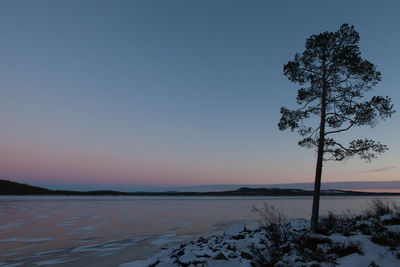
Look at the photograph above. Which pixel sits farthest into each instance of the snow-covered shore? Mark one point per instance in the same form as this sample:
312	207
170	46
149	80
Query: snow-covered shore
372	240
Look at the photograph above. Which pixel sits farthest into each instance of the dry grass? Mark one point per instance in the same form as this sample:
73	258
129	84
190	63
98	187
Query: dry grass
378	207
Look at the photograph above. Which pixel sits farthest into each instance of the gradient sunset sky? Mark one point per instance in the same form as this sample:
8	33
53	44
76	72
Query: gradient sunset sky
132	94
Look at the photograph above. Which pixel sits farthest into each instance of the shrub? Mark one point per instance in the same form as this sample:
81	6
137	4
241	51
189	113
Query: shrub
311	247
270	216
276	226
274	222
338	224
392	221
373	264
262	257
311	242
378	207
342	250
327	224
396	208
387	238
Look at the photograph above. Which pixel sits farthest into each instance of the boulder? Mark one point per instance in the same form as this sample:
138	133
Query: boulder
234	230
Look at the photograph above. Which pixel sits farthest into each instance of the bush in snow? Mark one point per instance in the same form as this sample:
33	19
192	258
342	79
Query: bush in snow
327	224
378	207
313	247
345	225
274	222
276	227
344	249
387	238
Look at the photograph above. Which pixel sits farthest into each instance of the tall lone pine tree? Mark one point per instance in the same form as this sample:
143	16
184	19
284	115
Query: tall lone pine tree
335	82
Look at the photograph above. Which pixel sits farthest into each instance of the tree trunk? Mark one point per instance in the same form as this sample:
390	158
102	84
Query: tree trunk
320	156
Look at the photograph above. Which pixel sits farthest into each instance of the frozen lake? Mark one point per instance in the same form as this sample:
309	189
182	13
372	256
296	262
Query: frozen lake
103	231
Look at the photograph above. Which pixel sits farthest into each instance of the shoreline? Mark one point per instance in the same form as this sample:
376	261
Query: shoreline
372	239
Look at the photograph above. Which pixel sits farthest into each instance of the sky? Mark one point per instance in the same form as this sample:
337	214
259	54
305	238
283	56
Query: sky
142	94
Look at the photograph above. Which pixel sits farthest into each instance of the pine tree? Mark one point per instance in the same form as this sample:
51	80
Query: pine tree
335	82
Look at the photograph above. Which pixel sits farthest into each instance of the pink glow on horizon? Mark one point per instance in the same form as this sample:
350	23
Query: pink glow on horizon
73	164
42	161
45	166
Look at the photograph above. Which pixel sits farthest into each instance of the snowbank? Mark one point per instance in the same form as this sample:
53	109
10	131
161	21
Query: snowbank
355	241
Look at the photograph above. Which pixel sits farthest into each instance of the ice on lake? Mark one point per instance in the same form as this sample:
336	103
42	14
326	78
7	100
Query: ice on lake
55	230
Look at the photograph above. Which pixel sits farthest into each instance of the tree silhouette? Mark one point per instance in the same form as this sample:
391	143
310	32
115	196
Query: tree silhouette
335	82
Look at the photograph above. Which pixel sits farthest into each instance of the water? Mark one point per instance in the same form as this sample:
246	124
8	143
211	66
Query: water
88	230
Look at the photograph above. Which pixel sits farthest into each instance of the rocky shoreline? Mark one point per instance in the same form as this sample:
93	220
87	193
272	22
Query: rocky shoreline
363	240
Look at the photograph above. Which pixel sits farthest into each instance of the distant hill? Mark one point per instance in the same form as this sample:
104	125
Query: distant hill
379	186
13	188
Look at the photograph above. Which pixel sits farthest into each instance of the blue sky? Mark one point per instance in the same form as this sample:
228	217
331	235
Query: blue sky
166	93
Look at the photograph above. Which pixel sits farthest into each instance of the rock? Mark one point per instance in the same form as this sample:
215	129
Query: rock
394	228
190	258
213	249
202	240
217	263
232	255
246	255
387	217
220	256
234	229
239	236
204	255
147	262
180	253
279	264
231	247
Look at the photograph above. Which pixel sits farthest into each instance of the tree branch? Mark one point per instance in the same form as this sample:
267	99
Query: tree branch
341	130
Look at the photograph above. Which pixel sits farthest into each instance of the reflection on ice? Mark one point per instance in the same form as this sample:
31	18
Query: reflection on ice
20	239
51	262
11	265
10	225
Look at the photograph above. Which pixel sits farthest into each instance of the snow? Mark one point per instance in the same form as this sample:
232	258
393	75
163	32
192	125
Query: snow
394	228
299	224
387	217
372	252
237	246
234	229
218	250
